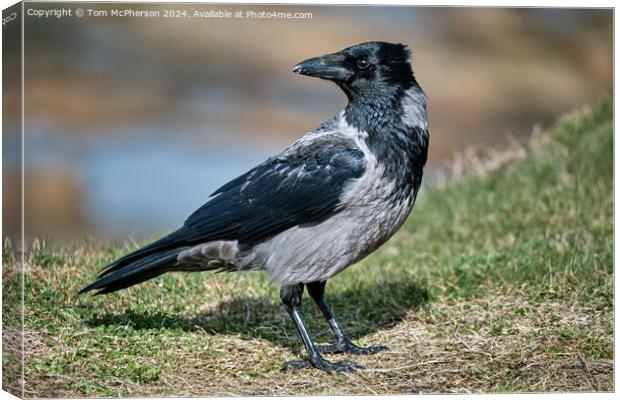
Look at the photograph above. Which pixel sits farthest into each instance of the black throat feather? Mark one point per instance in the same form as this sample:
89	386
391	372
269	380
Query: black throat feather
401	147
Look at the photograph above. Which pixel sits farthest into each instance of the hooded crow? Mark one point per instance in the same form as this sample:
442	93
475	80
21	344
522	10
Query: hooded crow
324	203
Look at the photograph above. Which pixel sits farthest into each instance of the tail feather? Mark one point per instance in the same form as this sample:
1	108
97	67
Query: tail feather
134	271
165	243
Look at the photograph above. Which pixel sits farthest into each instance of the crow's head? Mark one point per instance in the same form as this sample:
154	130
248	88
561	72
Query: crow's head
365	71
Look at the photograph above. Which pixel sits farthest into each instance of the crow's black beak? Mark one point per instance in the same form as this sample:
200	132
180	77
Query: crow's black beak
330	67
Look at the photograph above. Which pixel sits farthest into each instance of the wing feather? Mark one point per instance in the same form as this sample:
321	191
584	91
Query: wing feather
278	194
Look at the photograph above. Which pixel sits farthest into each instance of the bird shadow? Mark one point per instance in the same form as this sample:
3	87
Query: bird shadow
361	310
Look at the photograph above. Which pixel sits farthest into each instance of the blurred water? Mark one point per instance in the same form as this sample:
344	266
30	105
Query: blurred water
139	181
154	189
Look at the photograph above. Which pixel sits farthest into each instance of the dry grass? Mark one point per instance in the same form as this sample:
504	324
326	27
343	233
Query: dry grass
480	161
501	281
437	355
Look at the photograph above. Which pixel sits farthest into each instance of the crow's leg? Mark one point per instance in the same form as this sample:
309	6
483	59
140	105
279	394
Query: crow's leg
291	297
343	343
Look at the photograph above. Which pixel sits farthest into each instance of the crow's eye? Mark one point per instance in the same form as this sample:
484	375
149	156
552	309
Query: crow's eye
363	63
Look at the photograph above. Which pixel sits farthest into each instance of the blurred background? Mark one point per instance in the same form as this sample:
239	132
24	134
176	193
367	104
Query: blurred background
131	123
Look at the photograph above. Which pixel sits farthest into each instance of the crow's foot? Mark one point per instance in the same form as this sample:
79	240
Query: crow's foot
348	347
346	366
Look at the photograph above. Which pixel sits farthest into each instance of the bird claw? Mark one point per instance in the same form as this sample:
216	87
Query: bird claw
344	366
349	347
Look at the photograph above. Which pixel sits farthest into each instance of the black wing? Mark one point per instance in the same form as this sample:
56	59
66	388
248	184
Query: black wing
302	187
276	195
